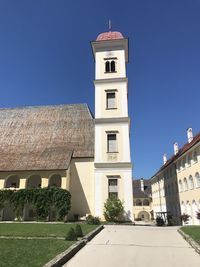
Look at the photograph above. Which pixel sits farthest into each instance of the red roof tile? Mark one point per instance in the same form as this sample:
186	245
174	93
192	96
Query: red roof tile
109	36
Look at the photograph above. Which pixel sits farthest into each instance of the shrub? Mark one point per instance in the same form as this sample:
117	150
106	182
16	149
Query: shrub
92	220
71	235
160	221
78	230
171	221
198	215
185	218
113	208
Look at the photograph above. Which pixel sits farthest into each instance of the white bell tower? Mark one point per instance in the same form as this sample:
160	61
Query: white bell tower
113	168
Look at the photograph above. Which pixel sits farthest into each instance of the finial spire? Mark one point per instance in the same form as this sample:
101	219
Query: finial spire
109	25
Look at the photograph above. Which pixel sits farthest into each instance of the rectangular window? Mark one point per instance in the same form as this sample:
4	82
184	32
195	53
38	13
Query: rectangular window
110	100
113	188
111	143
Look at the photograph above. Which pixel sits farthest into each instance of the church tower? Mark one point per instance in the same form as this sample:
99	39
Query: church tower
113	168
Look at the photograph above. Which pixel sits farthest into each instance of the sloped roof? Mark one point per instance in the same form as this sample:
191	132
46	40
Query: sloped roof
104	36
181	151
45	137
138	193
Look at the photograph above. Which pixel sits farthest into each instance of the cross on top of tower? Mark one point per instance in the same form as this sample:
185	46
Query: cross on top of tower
109	25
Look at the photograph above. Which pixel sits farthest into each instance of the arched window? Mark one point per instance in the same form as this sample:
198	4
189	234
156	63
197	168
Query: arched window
12	182
185	184
146	202
197	177
180	186
112	66
34	181
191	182
55	180
107	66
138	202
183	163
195	156
189	160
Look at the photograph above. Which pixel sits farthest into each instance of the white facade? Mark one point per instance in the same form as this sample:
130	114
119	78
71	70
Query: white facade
112	124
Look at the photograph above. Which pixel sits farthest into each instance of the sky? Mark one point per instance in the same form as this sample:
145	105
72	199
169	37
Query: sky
46	58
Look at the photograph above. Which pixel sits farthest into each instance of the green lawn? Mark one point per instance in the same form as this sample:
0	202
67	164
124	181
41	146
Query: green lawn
193	231
30	253
39	229
37	252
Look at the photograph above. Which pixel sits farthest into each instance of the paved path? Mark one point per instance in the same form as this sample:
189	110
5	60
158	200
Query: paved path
136	246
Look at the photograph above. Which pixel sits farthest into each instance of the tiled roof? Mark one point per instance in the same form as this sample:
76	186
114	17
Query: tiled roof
45	137
109	36
138	193
181	151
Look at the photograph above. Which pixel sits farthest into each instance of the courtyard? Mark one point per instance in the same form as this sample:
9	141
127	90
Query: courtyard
136	246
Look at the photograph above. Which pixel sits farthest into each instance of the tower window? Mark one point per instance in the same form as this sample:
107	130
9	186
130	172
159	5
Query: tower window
112	143
113	187
107	66
110	100
112	66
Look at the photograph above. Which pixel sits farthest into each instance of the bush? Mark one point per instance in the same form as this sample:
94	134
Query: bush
185	218
92	220
78	231
113	209
198	215
171	221
160	221
71	235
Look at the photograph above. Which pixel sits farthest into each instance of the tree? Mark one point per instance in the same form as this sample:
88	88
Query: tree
113	209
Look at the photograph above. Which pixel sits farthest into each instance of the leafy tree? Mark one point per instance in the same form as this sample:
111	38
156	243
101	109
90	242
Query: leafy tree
113	209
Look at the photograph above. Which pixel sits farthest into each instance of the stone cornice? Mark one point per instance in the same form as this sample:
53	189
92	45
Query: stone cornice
113	165
110	80
112	120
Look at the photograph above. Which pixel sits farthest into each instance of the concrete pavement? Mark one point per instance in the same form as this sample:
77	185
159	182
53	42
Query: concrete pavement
136	246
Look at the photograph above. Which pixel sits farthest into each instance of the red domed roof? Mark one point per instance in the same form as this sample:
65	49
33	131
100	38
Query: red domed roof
109	36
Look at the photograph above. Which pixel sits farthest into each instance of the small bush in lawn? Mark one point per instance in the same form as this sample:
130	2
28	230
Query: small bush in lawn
198	215
92	220
71	235
78	231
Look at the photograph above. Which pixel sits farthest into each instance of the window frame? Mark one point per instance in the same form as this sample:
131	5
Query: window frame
112	133
111	91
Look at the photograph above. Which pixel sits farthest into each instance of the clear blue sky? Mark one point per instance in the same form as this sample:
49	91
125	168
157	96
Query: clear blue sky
46	58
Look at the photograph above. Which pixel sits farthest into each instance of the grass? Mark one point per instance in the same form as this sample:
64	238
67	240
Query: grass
193	231
31	253
40	229
34	252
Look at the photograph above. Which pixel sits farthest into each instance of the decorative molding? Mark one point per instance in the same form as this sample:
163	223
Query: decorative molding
112	120
113	165
110	80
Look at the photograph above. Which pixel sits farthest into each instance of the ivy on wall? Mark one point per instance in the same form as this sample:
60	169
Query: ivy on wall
47	202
